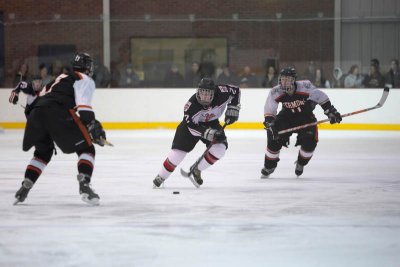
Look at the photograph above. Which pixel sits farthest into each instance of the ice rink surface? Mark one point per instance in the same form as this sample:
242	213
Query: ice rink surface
343	211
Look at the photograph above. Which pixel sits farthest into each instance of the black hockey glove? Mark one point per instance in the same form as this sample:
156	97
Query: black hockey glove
269	125
96	132
333	115
232	114
214	135
14	97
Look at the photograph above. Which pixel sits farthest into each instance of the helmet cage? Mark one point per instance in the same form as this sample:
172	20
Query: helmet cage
287	79
287	83
205	96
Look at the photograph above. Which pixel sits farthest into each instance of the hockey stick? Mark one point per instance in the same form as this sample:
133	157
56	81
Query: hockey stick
194	166
106	142
380	104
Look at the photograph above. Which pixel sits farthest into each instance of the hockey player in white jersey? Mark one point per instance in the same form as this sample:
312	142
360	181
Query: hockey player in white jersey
200	122
298	99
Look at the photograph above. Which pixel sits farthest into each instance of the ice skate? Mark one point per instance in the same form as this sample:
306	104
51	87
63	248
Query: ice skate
86	192
195	176
158	182
265	173
22	193
299	169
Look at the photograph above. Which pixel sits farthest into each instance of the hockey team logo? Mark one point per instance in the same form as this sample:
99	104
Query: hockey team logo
208	116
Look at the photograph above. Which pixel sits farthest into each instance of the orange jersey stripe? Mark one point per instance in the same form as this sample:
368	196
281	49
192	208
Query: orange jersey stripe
81	127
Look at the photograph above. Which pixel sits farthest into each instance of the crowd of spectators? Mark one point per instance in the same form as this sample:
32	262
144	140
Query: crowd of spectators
125	75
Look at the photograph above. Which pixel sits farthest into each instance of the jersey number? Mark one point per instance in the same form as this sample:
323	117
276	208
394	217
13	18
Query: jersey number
294	110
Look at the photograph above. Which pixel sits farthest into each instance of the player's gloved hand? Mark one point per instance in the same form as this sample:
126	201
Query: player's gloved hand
309	106
285	140
14	97
214	135
269	125
96	132
333	115
232	114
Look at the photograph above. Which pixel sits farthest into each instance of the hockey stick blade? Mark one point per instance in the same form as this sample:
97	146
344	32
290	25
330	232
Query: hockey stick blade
189	176
106	142
380	104
185	174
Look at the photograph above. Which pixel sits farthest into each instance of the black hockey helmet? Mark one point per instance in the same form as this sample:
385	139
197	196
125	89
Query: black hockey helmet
205	91
82	62
287	79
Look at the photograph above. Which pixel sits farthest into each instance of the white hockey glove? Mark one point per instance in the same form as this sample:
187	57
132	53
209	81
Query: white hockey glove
214	135
232	114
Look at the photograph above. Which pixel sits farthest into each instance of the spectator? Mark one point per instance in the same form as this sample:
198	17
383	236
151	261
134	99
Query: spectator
128	77
22	74
374	79
393	75
44	74
319	80
309	74
271	78
66	69
227	76
173	78
248	79
354	78
192	77
101	75
56	68
337	78
115	74
207	64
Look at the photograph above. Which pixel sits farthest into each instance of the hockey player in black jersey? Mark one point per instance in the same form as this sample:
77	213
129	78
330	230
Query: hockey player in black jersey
298	99
52	118
200	122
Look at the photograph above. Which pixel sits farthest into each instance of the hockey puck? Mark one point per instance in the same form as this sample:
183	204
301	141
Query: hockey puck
175	192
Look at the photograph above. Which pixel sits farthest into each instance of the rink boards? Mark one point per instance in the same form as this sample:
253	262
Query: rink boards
150	108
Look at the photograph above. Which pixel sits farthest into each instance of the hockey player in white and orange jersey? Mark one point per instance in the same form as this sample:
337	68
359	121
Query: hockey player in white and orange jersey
298	99
52	119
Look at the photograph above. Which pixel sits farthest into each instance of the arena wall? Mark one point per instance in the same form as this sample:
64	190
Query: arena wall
163	108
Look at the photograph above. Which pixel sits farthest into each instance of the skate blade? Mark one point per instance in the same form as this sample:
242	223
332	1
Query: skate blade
92	202
162	186
16	202
185	174
264	176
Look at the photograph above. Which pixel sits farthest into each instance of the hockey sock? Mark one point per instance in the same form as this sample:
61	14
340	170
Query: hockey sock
271	158
174	158
35	169
38	164
86	161
215	153
304	156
